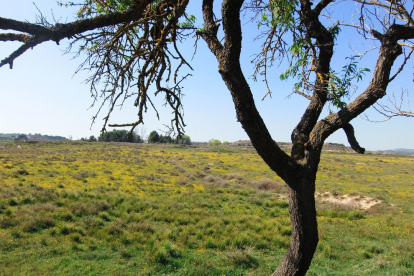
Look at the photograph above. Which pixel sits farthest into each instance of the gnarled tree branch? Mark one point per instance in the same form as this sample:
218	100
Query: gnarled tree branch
389	51
39	34
229	67
350	134
324	39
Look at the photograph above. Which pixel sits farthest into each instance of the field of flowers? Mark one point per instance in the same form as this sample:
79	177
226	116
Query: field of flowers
78	208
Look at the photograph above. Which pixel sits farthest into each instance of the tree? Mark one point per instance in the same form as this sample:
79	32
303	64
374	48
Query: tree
135	44
166	139
119	136
153	137
21	137
92	138
185	139
214	142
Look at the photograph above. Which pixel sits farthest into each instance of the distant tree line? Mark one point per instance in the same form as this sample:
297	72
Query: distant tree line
117	136
216	143
30	137
123	136
154	137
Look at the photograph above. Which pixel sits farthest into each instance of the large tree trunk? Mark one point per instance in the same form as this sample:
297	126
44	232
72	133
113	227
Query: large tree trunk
304	237
299	176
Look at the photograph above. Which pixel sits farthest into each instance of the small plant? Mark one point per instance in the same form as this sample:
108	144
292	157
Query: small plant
286	232
211	181
243	258
182	181
126	254
66	230
210	244
267	185
27	200
76	238
356	214
37	223
20	172
167	253
12	202
179	169
16	234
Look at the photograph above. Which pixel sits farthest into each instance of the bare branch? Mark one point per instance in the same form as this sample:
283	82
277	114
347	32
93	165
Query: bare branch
57	32
9	60
24	27
395	108
395	8
350	134
406	58
303	94
322	5
209	33
14	37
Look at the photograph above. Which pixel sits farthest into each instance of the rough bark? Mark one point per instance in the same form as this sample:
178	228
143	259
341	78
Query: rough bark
304	237
325	43
350	134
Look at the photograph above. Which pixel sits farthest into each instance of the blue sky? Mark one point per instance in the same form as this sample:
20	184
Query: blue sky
42	95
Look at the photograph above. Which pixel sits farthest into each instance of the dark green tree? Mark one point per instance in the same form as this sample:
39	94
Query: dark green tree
166	139
133	45
153	137
21	137
119	136
185	139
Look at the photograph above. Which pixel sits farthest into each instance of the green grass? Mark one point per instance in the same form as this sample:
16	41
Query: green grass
120	209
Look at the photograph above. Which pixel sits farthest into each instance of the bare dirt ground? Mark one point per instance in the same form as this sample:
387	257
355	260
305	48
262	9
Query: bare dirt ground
352	201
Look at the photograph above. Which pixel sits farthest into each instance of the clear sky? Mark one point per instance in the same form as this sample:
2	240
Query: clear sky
42	95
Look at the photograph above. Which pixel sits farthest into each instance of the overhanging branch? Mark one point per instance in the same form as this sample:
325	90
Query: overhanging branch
350	134
14	37
38	34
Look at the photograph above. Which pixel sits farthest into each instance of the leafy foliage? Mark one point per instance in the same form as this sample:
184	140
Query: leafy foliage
214	142
340	87
188	23
280	13
185	139
153	137
94	7
118	136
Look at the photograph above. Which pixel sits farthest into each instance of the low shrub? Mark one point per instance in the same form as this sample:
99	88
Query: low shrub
243	258
268	185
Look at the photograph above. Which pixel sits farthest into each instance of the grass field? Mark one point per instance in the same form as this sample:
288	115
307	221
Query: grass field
133	209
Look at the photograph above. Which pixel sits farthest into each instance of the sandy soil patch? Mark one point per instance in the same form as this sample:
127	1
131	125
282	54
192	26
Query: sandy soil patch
357	202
